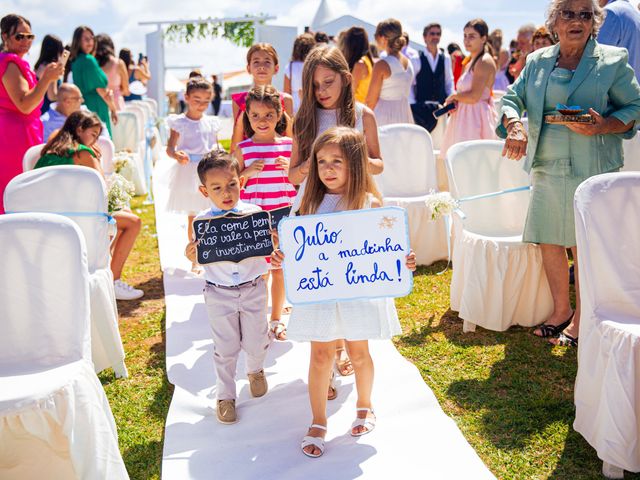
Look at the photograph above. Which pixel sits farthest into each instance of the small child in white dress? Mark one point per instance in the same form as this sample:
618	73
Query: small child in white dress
192	135
338	180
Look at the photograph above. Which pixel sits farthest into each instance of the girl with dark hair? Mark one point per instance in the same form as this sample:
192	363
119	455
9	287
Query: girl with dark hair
135	73
50	52
293	71
264	163
21	95
89	77
114	68
354	44
392	77
474	117
75	144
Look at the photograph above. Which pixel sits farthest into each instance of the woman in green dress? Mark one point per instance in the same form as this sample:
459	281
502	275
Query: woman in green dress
90	78
576	71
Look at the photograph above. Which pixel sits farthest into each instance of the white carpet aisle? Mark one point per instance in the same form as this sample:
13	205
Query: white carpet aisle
413	437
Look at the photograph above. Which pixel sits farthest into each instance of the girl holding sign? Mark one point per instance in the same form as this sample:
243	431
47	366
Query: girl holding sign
264	162
339	180
328	100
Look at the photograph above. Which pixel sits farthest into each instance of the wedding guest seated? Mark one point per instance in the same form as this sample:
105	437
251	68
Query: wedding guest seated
75	144
69	101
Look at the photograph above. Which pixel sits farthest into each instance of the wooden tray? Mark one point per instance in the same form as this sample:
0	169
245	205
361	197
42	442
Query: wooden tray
565	119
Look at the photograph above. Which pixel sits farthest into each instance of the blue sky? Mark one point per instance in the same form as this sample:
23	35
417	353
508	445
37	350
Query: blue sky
120	18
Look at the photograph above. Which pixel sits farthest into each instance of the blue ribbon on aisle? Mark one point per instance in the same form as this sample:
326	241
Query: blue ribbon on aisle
461	214
494	194
110	219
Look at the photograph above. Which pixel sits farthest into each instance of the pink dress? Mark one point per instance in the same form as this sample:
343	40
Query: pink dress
18	131
470	121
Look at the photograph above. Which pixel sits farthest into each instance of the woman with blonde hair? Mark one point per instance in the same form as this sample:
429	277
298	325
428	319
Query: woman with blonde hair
392	77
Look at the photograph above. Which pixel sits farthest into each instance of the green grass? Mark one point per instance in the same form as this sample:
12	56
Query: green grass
510	393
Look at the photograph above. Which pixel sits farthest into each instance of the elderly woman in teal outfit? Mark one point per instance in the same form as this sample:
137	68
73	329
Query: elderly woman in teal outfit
575	71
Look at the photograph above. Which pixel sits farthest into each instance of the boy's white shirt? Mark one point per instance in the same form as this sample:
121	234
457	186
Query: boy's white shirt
231	273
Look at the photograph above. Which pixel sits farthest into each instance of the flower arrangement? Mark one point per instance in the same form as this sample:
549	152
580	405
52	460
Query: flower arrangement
120	192
122	160
440	203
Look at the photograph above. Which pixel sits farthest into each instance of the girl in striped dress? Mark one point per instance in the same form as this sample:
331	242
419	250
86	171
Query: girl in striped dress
264	164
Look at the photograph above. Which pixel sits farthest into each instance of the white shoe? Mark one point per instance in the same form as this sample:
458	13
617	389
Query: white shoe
124	291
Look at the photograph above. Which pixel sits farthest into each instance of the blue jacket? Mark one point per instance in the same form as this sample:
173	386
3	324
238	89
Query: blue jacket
603	81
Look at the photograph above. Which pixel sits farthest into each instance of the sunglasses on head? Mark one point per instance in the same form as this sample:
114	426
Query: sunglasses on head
570	15
24	36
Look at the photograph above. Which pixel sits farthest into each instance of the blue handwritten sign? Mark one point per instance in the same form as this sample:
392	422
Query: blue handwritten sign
345	256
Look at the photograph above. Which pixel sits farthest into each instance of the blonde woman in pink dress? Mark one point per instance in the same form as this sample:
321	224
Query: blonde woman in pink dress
475	116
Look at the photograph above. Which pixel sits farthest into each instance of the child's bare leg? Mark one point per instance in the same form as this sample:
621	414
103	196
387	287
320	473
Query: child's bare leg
320	366
128	228
277	297
343	363
363	367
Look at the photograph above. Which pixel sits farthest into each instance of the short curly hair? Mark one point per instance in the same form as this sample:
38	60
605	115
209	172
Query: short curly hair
556	6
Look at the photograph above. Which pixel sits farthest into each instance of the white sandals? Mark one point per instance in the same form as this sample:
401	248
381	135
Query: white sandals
367	422
317	442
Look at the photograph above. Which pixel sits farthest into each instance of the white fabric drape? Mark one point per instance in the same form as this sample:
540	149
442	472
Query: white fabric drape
497	280
607	391
128	135
55	420
70	189
409	176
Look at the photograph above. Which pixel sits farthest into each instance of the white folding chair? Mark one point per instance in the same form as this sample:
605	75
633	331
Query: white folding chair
125	137
31	157
607	389
631	150
108	150
79	193
55	420
153	104
408	177
497	280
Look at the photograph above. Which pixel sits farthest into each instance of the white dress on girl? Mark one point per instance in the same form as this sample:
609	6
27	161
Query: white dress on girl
327	119
372	319
197	137
393	103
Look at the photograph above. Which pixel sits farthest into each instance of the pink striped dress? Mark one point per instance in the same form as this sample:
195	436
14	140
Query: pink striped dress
270	189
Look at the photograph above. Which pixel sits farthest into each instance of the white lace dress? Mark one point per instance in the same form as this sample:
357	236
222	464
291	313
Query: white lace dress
393	104
372	319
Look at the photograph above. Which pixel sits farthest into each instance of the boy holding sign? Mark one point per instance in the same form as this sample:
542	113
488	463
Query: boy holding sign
235	293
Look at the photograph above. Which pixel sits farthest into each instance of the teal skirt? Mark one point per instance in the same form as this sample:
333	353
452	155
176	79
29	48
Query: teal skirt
550	217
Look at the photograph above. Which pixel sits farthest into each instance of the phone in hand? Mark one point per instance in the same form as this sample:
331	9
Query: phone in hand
446	109
64	56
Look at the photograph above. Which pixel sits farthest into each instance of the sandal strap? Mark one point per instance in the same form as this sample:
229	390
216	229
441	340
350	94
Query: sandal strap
317	442
316	425
566	340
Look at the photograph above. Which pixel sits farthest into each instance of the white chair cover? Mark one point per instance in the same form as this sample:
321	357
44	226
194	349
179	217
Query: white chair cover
55	420
153	104
125	135
498	280
631	154
437	136
607	390
141	115
31	157
108	150
408	177
72	189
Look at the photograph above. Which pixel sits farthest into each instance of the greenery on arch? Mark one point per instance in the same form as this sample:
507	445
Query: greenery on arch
240	33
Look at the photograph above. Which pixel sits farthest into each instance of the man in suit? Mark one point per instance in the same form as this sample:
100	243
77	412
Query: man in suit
434	78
